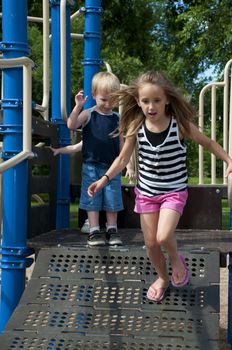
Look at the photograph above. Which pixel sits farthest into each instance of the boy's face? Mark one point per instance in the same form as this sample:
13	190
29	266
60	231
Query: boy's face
102	102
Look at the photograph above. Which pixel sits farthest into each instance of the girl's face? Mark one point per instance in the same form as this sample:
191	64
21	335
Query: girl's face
152	100
102	102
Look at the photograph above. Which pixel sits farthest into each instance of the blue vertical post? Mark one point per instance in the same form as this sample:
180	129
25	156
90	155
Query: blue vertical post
229	333
229	315
92	40
15	180
63	184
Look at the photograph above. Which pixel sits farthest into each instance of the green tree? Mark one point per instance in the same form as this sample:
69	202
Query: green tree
206	29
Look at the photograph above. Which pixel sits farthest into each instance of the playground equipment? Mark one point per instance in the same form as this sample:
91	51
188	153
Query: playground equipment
17	94
58	304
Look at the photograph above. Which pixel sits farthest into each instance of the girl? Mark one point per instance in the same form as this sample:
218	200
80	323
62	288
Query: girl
158	118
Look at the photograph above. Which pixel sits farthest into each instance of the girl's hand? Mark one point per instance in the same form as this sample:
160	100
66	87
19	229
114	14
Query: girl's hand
79	99
229	169
96	186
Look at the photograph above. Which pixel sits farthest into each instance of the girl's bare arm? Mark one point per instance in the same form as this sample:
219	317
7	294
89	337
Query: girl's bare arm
117	166
121	142
130	170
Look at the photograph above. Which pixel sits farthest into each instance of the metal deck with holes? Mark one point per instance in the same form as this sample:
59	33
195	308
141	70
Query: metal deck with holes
95	299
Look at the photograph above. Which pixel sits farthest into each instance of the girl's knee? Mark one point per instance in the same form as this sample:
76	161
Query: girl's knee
152	244
162	239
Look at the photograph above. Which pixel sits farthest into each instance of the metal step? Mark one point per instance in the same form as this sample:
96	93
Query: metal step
88	299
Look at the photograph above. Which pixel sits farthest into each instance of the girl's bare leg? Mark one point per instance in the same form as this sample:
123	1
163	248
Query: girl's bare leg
149	224
168	220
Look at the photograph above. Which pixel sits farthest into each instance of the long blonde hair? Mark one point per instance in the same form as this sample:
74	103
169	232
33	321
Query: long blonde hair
132	116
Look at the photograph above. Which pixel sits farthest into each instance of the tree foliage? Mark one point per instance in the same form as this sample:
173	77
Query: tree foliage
182	38
207	31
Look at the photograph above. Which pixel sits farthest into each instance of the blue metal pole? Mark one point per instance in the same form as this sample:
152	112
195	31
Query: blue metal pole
15	180
63	184
92	39
229	316
229	332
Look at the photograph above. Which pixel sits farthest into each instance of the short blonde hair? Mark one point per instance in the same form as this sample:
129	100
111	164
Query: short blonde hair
105	81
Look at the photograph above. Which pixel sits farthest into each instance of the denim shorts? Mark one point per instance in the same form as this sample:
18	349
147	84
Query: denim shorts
108	199
173	200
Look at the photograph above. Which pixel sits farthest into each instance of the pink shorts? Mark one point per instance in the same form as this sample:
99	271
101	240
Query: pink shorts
173	200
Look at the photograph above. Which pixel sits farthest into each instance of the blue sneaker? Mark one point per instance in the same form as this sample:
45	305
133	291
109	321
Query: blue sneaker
113	237
95	239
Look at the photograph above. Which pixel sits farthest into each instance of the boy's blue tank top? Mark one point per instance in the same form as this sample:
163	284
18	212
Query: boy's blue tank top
98	145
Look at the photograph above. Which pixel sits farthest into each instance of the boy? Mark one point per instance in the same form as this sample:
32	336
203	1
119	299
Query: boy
99	150
77	147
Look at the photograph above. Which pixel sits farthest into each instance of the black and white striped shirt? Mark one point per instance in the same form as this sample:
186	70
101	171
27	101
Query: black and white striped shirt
162	169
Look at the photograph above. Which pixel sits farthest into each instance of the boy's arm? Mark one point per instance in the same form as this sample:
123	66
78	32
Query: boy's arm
77	118
70	149
75	148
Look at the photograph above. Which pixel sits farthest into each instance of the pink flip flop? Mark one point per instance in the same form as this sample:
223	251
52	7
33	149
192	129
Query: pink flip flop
151	290
186	275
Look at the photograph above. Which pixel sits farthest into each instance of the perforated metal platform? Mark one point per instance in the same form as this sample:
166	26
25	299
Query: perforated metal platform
92	299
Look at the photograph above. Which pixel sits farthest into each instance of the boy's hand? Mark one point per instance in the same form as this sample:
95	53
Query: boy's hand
131	175
54	150
79	99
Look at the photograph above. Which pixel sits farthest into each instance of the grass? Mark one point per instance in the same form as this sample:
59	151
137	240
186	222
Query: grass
207	181
225	215
74	214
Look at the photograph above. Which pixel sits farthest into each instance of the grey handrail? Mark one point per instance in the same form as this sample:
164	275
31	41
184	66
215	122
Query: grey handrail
26	153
